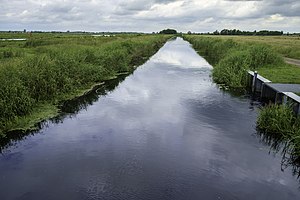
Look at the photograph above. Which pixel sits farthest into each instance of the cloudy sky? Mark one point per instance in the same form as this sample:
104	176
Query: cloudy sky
150	15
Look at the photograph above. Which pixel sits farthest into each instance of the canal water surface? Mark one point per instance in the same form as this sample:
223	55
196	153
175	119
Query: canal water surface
165	132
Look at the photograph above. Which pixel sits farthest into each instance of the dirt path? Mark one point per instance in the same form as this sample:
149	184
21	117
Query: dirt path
292	61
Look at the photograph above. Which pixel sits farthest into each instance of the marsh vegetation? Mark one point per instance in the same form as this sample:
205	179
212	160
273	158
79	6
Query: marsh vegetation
281	122
231	60
39	73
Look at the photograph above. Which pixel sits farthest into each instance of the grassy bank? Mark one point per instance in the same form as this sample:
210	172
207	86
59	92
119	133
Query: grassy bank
37	74
281	122
231	59
287	46
284	73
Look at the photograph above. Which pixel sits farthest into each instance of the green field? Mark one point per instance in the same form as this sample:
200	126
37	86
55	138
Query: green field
285	73
47	68
287	46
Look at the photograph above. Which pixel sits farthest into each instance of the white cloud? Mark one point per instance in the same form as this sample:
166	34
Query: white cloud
149	15
276	17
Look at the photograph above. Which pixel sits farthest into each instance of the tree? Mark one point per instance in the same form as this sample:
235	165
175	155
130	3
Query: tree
168	31
216	32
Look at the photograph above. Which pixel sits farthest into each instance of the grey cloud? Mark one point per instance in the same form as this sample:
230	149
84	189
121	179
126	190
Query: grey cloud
284	7
58	8
266	8
243	0
133	6
142	15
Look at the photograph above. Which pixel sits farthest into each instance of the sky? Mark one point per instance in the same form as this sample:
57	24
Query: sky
150	15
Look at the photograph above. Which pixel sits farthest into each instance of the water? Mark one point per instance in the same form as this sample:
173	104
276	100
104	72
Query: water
166	132
14	39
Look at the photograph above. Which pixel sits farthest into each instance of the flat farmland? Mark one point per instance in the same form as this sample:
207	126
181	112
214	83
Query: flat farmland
287	46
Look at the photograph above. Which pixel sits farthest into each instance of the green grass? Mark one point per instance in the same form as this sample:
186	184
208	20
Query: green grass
288	46
281	122
49	68
39	113
231	59
285	73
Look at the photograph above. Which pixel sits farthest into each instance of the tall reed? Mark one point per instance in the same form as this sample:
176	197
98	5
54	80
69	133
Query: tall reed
48	70
231	59
280	121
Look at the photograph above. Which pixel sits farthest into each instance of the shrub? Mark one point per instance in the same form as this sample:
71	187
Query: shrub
277	119
261	55
15	99
280	121
231	69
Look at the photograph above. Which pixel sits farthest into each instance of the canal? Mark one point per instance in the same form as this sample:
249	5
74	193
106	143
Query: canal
165	132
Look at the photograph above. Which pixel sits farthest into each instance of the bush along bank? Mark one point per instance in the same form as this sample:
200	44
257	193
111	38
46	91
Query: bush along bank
230	61
281	122
32	85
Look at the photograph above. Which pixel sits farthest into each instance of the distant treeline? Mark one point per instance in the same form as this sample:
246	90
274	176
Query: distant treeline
239	32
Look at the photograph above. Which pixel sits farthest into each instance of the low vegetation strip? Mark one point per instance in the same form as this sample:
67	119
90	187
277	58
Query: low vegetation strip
231	59
287	46
41	72
281	122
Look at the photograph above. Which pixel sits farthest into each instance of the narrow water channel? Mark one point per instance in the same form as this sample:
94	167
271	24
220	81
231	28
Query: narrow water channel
165	132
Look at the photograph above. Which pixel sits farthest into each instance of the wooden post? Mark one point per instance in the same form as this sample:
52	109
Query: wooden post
254	82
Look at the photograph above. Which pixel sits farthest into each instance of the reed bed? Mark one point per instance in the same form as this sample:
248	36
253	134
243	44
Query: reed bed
280	121
231	59
46	70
